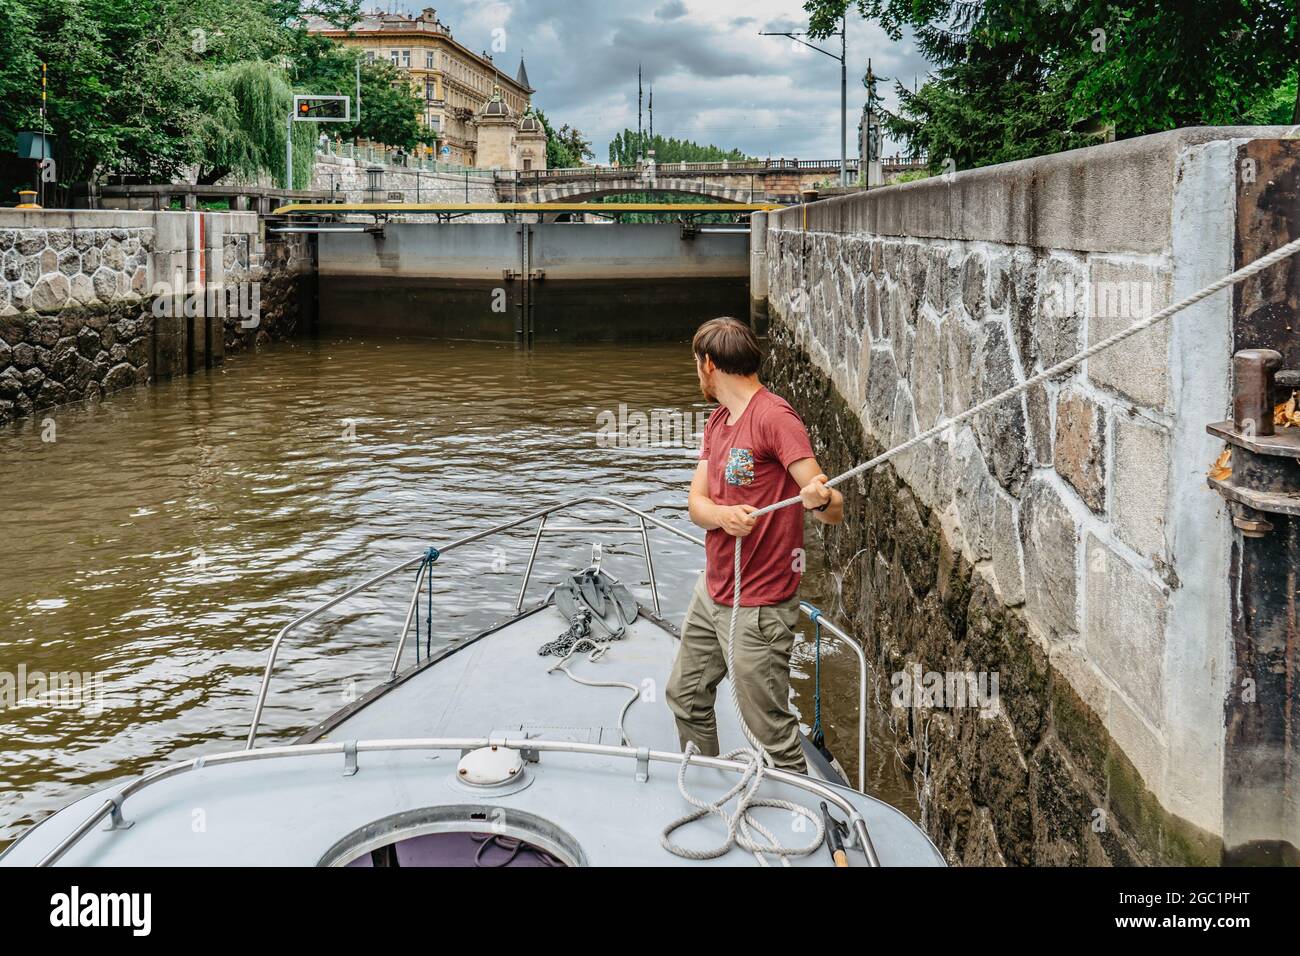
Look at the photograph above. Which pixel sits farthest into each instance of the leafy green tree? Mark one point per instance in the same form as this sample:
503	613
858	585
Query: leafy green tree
565	147
1170	65
147	89
623	149
340	13
1017	78
390	109
1279	108
992	104
82	117
243	128
20	70
129	81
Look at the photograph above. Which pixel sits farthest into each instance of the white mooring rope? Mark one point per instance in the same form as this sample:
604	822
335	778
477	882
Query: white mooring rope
598	649
756	755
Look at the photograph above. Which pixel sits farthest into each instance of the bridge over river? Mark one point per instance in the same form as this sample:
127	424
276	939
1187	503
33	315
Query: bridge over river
770	181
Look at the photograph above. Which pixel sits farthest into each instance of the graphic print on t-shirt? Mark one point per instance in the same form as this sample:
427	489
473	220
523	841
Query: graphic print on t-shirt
740	467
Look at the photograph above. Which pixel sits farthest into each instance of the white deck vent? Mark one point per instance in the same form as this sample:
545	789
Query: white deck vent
490	767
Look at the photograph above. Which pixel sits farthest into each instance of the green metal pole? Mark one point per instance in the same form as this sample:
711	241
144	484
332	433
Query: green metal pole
288	152
45	138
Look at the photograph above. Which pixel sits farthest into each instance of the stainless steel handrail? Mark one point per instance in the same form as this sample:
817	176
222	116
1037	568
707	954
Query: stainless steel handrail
543	526
541	516
407	565
816	616
112	806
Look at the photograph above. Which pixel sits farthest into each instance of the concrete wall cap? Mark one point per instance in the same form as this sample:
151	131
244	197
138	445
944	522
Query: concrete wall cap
1112	197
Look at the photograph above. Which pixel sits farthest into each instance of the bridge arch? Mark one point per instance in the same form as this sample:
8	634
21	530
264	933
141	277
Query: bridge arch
580	191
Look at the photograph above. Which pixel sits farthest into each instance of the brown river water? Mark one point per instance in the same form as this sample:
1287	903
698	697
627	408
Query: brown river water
161	538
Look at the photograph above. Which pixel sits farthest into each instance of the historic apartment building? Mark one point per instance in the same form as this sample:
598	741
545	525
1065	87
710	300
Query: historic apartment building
481	115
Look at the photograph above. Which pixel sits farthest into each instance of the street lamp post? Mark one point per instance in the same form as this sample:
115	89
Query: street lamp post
844	101
844	85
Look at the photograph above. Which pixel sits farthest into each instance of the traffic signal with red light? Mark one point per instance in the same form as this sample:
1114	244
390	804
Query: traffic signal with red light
322	109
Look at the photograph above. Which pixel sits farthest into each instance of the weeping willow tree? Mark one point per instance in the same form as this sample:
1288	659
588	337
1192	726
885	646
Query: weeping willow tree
242	132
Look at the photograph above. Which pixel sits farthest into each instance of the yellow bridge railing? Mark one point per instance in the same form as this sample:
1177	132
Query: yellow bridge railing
457	208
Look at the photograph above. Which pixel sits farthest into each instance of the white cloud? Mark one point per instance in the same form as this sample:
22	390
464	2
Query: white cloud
715	79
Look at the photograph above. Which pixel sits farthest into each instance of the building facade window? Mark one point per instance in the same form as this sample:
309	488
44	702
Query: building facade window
454	89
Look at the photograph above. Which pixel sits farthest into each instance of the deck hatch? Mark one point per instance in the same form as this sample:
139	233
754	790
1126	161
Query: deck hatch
465	818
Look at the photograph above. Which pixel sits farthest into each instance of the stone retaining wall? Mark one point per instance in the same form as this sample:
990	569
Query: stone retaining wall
70	324
286	279
96	301
1040	783
1067	538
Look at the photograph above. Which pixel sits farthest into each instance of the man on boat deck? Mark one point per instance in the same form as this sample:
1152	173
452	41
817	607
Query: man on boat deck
755	452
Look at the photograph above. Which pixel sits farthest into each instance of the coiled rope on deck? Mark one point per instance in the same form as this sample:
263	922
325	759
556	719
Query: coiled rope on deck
740	823
757	755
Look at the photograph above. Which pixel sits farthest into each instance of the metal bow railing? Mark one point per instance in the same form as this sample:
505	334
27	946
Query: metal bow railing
641	528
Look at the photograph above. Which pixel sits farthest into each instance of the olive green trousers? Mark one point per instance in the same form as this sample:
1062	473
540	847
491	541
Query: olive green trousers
764	640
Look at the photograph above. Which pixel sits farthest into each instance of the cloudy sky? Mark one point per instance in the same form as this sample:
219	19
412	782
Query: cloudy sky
715	79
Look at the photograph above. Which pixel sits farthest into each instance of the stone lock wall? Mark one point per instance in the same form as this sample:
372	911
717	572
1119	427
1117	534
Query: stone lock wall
73	324
79	309
1066	541
349	180
284	266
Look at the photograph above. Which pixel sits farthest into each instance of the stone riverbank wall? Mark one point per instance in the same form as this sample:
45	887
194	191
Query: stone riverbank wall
97	301
1066	541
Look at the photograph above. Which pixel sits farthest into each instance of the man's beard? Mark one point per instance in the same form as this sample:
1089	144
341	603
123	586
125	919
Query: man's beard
708	396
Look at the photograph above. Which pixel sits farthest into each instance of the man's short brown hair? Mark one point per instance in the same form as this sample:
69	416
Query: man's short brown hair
731	344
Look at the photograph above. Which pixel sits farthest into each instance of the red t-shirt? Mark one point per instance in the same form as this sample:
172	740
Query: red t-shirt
749	465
